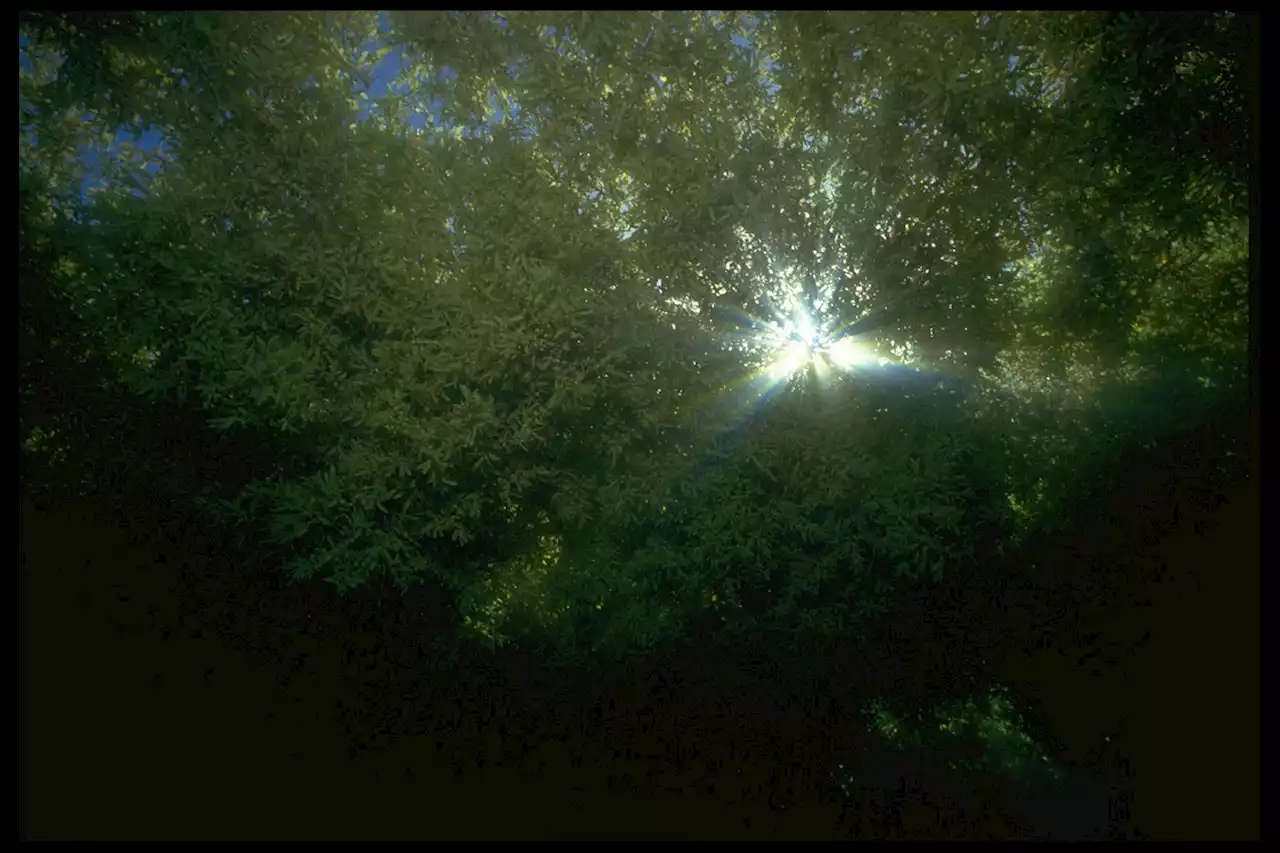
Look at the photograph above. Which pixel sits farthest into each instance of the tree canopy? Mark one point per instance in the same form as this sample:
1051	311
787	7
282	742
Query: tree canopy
628	330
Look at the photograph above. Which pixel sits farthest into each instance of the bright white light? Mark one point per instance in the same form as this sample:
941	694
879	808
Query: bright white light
796	340
801	340
794	356
848	354
804	329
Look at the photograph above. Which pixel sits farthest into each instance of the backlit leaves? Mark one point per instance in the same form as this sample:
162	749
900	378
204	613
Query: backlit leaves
514	296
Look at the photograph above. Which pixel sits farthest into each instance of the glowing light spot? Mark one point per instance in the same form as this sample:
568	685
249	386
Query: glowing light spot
805	331
848	354
797	341
794	357
804	338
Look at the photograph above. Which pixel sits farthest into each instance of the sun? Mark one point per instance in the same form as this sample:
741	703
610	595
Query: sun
848	354
799	342
793	356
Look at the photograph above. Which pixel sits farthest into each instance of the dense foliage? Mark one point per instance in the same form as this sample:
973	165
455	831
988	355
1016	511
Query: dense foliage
627	330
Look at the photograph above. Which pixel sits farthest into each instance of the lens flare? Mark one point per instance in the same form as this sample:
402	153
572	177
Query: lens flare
800	342
794	357
848	354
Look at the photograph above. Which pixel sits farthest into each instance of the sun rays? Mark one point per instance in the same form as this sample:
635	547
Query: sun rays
799	342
